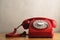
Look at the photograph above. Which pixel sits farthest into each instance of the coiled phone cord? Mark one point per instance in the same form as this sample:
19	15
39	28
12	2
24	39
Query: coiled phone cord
13	34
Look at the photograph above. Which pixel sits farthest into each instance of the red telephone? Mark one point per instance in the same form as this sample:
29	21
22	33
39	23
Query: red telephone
38	27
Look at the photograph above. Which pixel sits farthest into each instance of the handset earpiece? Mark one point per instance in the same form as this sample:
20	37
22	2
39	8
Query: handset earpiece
53	23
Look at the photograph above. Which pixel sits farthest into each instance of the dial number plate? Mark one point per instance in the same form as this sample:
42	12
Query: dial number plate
40	24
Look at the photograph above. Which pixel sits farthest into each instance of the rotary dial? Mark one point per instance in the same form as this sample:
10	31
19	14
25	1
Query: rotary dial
40	24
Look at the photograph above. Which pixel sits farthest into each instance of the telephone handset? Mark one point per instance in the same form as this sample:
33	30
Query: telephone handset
38	27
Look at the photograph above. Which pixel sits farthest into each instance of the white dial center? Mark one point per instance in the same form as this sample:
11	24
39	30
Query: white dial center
40	24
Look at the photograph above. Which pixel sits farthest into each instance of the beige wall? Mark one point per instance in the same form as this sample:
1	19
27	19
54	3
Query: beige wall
13	12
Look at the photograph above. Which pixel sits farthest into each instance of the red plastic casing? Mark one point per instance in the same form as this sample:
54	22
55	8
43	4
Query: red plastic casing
47	32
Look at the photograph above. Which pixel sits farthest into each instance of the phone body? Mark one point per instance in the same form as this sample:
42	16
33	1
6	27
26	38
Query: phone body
38	27
39	32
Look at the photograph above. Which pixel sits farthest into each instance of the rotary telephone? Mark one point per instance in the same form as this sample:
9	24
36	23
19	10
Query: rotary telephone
38	27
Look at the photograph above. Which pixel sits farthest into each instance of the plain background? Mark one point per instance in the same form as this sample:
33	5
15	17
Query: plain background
13	12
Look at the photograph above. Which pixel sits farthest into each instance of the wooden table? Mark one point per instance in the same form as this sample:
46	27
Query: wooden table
56	37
